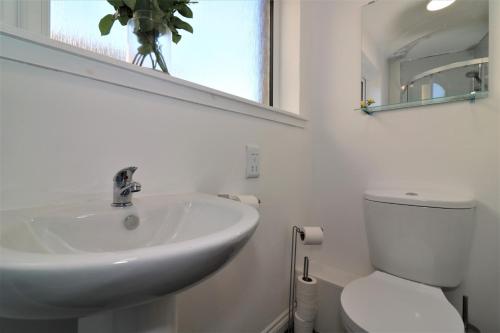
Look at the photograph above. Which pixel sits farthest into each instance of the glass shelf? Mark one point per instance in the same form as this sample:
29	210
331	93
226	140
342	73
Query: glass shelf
467	97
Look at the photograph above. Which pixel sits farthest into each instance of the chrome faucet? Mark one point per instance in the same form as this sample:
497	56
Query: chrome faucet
123	187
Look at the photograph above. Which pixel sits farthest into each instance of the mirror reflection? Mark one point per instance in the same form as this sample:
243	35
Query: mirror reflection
423	50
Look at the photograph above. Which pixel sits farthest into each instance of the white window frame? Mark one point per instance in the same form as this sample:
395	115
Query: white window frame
55	56
31	15
26	25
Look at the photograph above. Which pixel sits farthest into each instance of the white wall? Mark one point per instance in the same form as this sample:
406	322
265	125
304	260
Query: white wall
449	146
494	53
328	318
68	127
63	138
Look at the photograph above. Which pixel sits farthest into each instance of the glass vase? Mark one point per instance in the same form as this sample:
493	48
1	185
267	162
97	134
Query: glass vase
148	41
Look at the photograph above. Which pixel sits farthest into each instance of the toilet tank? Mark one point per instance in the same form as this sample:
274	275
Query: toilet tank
419	236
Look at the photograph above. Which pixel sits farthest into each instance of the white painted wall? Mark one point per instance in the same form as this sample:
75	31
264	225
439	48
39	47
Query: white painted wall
68	127
494	53
328	318
449	146
63	138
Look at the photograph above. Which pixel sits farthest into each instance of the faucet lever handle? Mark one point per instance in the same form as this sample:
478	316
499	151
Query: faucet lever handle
135	187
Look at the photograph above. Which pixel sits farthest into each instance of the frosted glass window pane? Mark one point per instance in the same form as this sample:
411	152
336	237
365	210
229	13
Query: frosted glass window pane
76	22
225	51
228	50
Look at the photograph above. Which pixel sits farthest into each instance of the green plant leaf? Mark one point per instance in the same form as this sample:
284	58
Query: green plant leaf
180	24
185	11
176	37
116	3
123	20
142	4
124	14
106	24
166	5
130	3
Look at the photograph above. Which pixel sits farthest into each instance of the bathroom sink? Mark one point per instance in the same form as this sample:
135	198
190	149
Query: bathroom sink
75	260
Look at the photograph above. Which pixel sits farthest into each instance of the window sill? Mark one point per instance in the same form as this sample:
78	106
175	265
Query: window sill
24	47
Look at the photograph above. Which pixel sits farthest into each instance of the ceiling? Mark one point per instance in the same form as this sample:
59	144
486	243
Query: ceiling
406	29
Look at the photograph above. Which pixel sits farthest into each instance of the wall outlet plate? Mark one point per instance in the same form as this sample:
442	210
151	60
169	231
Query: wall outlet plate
253	161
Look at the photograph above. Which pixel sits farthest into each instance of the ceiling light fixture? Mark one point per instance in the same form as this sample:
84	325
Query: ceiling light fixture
434	5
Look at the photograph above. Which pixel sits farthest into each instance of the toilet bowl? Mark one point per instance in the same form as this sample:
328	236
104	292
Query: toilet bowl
418	243
382	303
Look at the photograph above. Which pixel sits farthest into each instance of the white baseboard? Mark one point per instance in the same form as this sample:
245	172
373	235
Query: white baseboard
278	325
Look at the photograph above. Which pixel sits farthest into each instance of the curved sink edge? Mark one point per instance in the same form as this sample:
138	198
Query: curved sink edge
217	249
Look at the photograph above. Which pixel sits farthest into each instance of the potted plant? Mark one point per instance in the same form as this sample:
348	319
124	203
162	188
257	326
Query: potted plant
149	21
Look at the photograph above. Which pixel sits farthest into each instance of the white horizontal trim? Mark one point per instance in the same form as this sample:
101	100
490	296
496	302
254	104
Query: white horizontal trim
24	47
279	324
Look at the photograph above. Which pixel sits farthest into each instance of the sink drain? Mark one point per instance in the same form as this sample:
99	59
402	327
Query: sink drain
131	222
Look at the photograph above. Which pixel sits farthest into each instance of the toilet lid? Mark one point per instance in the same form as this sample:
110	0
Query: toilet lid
385	303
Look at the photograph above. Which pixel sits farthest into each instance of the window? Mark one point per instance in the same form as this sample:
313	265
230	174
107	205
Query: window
438	91
229	50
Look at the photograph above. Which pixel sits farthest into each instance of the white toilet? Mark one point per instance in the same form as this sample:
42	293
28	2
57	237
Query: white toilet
418	243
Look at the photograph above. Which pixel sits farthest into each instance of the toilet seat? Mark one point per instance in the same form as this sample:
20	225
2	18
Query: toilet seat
382	303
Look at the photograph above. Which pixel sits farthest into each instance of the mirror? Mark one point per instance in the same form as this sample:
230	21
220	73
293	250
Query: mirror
414	53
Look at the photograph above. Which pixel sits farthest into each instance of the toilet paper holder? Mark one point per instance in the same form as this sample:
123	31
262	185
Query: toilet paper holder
305	273
296	232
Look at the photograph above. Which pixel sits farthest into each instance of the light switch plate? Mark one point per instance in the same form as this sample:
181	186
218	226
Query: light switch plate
253	161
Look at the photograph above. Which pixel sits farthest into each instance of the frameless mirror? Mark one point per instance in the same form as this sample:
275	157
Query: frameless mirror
423	52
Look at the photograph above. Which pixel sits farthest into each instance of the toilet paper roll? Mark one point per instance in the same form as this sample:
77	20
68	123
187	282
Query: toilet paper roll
312	235
307	312
301	325
307	306
250	200
307	298
306	289
308	301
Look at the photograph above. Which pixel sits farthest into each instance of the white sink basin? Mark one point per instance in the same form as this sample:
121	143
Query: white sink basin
72	261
